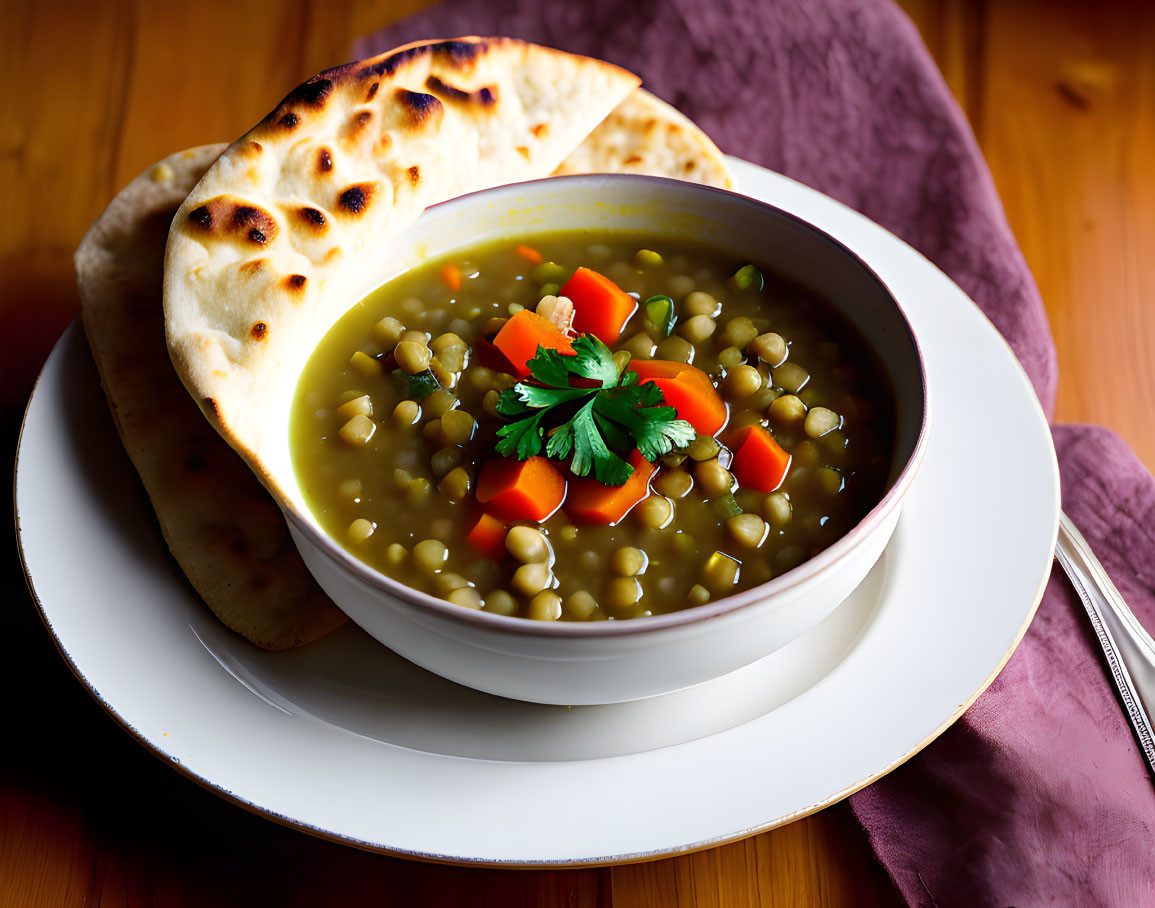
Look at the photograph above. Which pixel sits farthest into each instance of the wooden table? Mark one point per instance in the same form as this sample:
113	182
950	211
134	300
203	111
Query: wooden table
1062	98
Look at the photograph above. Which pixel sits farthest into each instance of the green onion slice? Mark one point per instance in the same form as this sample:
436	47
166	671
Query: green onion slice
420	385
726	506
746	277
660	315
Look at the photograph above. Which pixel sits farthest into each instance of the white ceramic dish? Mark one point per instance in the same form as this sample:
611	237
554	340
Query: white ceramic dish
579	664
346	741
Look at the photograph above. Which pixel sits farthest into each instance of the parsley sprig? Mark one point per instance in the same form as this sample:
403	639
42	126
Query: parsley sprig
588	425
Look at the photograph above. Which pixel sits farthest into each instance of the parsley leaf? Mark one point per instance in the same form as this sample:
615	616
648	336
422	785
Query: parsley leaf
549	367
615	434
594	426
522	438
656	437
511	405
592	359
656	430
537	398
589	450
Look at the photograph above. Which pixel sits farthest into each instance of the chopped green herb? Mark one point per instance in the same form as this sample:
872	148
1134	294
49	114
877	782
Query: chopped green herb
592	360
591	426
746	277
523	438
660	316
420	385
727	506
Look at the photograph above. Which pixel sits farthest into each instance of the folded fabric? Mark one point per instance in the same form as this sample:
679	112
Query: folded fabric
1038	793
840	95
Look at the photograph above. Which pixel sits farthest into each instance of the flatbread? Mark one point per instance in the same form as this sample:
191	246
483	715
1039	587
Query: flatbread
222	527
224	530
276	242
646	135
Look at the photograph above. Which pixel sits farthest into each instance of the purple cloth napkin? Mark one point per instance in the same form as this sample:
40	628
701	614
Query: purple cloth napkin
1038	794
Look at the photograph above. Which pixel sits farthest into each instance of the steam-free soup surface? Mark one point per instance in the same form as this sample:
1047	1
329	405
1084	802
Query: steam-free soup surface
396	423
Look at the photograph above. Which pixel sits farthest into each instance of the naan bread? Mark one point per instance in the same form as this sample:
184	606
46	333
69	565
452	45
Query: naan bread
276	242
224	530
646	135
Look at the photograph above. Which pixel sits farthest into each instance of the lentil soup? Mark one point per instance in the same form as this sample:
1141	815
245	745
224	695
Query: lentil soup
590	426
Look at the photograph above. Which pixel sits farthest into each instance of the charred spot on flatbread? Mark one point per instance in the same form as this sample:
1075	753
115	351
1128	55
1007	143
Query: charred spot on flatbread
486	96
367	147
356	199
221	526
422	109
234	219
314	217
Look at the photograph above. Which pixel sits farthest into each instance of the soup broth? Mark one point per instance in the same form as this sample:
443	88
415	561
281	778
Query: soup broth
396	423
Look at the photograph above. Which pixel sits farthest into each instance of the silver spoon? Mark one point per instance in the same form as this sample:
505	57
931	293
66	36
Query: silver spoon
1129	649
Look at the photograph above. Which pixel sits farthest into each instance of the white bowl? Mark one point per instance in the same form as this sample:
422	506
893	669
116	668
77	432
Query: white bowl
574	663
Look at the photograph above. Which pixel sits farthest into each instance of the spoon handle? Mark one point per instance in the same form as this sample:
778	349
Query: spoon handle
1129	649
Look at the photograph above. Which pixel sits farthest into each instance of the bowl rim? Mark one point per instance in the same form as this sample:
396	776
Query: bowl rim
764	594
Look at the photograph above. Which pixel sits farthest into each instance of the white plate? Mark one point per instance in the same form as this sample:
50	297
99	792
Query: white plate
346	740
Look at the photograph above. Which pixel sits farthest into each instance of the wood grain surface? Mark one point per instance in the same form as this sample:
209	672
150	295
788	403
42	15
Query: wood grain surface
1062	98
1061	95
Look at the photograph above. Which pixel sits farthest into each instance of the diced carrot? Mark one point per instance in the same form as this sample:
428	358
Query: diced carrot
688	390
520	337
528	253
589	501
451	274
600	307
759	461
487	534
520	489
